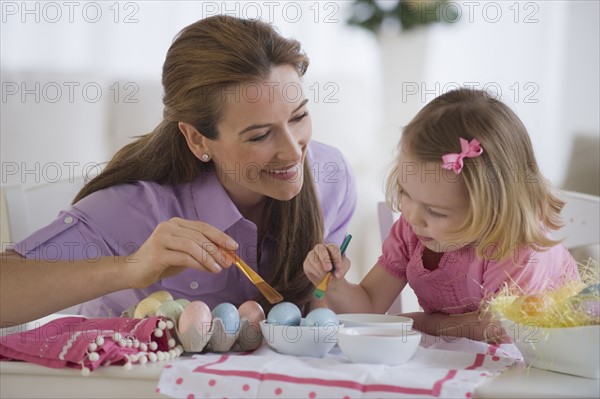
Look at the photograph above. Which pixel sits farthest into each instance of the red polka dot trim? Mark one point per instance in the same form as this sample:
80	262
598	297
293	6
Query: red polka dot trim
278	391
212	383
246	387
312	395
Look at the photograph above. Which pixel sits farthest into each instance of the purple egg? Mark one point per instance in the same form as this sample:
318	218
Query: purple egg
590	308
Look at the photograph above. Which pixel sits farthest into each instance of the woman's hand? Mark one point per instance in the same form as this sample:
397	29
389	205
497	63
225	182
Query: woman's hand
175	245
319	261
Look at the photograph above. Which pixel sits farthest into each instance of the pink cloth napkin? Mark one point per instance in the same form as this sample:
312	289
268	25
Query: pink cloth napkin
88	343
439	368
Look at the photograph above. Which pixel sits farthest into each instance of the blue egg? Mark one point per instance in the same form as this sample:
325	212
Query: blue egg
228	313
321	317
285	313
591	290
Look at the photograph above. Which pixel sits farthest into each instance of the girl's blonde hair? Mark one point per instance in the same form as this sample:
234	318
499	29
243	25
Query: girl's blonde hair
205	61
511	203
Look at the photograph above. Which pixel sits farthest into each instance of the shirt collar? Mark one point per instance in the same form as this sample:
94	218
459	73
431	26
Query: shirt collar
213	204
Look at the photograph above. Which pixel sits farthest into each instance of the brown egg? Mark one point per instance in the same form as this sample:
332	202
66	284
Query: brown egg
250	336
251	311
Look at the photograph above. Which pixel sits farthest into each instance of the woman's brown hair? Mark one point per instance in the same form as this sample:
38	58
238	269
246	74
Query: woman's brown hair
204	60
511	203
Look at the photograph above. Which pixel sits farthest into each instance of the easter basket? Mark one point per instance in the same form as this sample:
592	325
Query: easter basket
556	330
569	350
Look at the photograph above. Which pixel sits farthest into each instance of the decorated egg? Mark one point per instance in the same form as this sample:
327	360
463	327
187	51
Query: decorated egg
533	305
250	336
590	308
251	311
587	302
321	317
183	302
146	308
161	296
285	313
195	317
593	290
170	309
229	315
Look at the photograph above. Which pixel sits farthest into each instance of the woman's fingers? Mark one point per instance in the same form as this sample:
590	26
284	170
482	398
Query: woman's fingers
177	244
213	241
194	255
213	234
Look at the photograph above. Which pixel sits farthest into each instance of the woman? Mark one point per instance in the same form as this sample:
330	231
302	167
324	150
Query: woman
231	165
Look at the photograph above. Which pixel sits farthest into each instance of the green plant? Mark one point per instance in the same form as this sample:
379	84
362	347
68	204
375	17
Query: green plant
406	14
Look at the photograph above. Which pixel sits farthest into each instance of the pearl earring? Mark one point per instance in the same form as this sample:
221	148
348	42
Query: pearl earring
205	157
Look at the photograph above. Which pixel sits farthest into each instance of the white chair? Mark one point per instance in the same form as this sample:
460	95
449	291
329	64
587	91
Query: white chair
26	209
581	234
581	215
29	208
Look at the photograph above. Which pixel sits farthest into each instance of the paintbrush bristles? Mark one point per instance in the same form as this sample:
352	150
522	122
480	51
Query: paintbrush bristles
320	290
269	292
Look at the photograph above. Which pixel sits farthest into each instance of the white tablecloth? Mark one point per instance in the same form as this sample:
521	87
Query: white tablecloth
441	367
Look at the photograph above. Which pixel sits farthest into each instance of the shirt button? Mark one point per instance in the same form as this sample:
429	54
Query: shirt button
68	220
193	285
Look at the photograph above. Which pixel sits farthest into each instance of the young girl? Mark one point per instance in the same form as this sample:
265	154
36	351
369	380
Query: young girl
475	215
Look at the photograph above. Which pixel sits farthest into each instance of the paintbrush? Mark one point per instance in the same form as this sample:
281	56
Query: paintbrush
268	292
320	290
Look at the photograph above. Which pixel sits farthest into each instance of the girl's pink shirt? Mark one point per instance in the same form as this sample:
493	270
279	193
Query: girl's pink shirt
462	280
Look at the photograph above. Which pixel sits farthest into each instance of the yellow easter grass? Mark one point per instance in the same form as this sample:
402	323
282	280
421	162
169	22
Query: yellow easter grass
548	309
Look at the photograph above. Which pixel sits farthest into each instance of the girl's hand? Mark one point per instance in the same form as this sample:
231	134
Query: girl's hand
319	261
175	245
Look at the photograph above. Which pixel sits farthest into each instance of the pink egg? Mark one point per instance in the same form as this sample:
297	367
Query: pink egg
195	317
251	311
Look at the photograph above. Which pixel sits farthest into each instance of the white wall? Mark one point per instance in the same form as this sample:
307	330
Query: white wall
554	60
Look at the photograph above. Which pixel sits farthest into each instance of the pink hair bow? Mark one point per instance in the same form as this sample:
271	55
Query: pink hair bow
468	149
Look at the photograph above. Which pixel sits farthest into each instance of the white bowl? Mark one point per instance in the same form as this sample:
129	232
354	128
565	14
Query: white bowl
570	350
375	320
378	345
314	341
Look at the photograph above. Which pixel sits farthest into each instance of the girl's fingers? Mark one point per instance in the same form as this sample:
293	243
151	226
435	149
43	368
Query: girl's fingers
324	257
341	264
313	267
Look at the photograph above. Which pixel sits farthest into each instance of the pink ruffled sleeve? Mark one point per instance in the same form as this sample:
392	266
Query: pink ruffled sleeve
397	249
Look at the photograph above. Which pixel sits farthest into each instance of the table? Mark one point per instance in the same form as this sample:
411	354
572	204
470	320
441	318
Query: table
25	380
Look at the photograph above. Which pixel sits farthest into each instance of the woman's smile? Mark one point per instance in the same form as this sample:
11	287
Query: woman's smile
288	173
